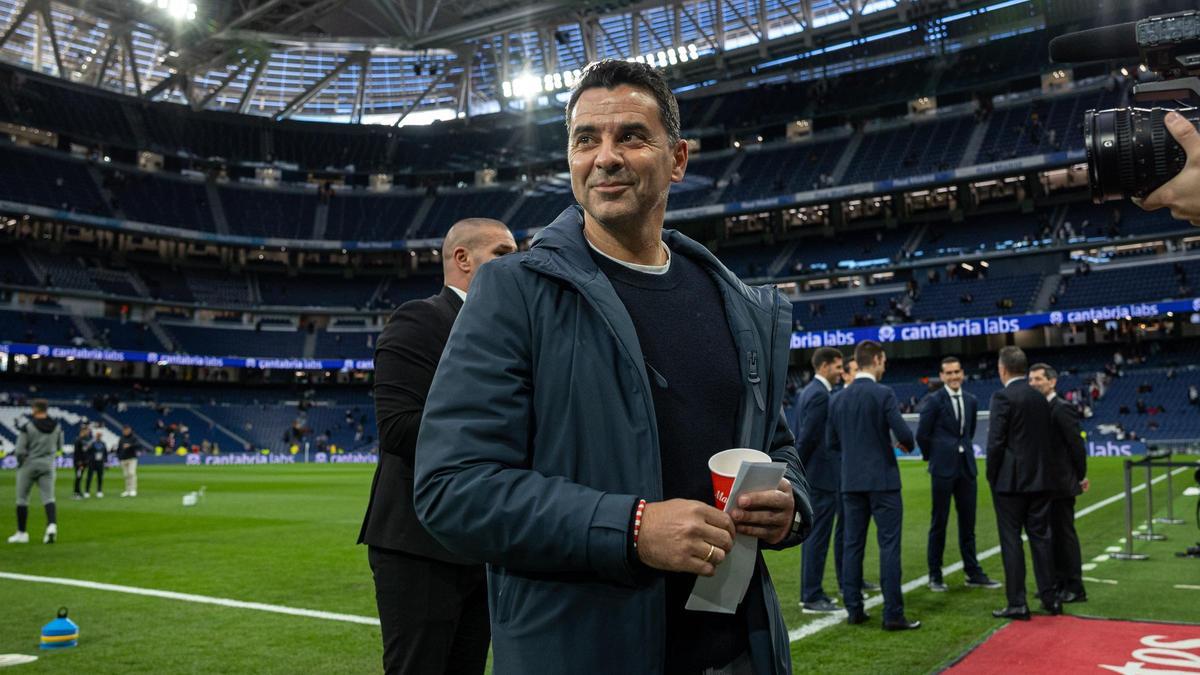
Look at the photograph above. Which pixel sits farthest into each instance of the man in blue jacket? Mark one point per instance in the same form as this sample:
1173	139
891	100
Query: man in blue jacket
946	434
583	389
861	418
823	469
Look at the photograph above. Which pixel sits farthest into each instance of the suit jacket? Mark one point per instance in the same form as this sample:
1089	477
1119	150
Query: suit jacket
860	417
1068	439
1020	452
406	357
822	467
940	437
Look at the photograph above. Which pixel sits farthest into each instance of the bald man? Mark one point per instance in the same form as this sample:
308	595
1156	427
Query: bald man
432	603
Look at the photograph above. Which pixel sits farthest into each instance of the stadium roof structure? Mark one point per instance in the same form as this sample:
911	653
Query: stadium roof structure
406	61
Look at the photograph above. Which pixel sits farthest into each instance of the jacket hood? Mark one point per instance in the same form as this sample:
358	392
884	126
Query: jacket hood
45	424
563	239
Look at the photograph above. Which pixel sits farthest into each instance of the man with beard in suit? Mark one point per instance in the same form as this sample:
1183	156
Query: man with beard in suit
1021	471
432	603
1068	439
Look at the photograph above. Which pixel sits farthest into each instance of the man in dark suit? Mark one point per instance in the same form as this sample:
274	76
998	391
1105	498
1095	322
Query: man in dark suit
1021	471
860	419
432	603
946	434
823	470
1072	459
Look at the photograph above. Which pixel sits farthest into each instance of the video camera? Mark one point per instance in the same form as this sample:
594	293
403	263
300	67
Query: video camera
1129	150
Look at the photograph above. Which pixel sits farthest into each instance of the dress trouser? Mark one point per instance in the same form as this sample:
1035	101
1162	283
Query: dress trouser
434	615
97	469
1029	512
827	519
129	471
963	489
1068	571
887	509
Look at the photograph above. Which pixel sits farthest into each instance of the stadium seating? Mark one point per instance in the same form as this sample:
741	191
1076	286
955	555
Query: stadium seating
212	341
921	147
269	213
164	200
44	178
1141	283
366	217
452	206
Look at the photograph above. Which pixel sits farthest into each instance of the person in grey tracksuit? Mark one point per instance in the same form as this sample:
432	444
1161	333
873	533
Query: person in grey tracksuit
40	440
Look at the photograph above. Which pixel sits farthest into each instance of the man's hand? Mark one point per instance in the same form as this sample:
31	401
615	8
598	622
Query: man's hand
1181	194
1085	484
683	535
767	514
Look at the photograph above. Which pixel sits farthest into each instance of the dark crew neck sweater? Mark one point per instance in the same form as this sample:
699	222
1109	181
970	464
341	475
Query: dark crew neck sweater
684	334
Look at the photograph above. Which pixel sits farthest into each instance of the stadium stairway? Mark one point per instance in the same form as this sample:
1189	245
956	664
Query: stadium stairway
843	163
1041	301
419	217
320	221
214	203
974	143
219	427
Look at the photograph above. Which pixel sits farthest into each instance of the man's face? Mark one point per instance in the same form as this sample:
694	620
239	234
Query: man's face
1038	380
952	374
849	371
492	243
831	370
622	162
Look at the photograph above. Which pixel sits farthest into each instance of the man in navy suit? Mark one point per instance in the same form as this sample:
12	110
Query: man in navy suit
860	418
823	470
1022	468
945	434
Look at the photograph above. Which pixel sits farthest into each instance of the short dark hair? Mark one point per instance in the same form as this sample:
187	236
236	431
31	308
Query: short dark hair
1051	373
1014	360
609	73
39	405
866	352
824	356
849	360
950	359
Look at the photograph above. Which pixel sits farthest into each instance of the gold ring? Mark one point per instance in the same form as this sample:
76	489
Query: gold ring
711	549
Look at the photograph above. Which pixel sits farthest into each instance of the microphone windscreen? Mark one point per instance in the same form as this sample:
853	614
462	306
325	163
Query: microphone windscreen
1097	44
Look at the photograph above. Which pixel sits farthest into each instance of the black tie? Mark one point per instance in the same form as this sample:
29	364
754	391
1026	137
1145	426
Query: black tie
958	411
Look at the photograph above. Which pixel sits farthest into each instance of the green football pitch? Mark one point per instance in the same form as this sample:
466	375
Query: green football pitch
284	536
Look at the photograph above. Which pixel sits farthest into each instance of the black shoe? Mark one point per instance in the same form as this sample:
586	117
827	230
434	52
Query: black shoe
858	617
1053	608
938	586
1067	597
868	586
983	582
1017	613
901	624
819	607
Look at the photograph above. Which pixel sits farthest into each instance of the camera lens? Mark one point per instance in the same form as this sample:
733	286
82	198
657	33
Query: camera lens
1130	152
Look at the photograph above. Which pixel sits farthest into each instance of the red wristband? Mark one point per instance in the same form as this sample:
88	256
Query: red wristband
637	521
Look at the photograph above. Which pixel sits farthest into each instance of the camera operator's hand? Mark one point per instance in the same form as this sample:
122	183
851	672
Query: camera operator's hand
1182	193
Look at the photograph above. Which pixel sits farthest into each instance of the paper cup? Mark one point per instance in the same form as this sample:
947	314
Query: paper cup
724	469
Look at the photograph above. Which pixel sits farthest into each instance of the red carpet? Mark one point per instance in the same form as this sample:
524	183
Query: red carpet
1064	645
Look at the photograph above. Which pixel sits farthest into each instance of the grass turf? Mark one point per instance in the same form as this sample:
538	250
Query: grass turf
285	535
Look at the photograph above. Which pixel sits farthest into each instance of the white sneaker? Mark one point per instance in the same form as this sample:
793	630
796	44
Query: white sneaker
87	495
51	534
19	538
133	494
125	494
99	495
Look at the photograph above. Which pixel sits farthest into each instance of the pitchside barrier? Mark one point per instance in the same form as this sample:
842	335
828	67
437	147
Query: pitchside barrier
9	463
1170	455
1102	447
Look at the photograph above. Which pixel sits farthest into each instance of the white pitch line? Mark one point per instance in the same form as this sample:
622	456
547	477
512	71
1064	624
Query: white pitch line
1110	582
1187	587
190	597
824	622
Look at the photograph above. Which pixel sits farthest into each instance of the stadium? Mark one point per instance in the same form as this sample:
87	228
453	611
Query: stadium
209	211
